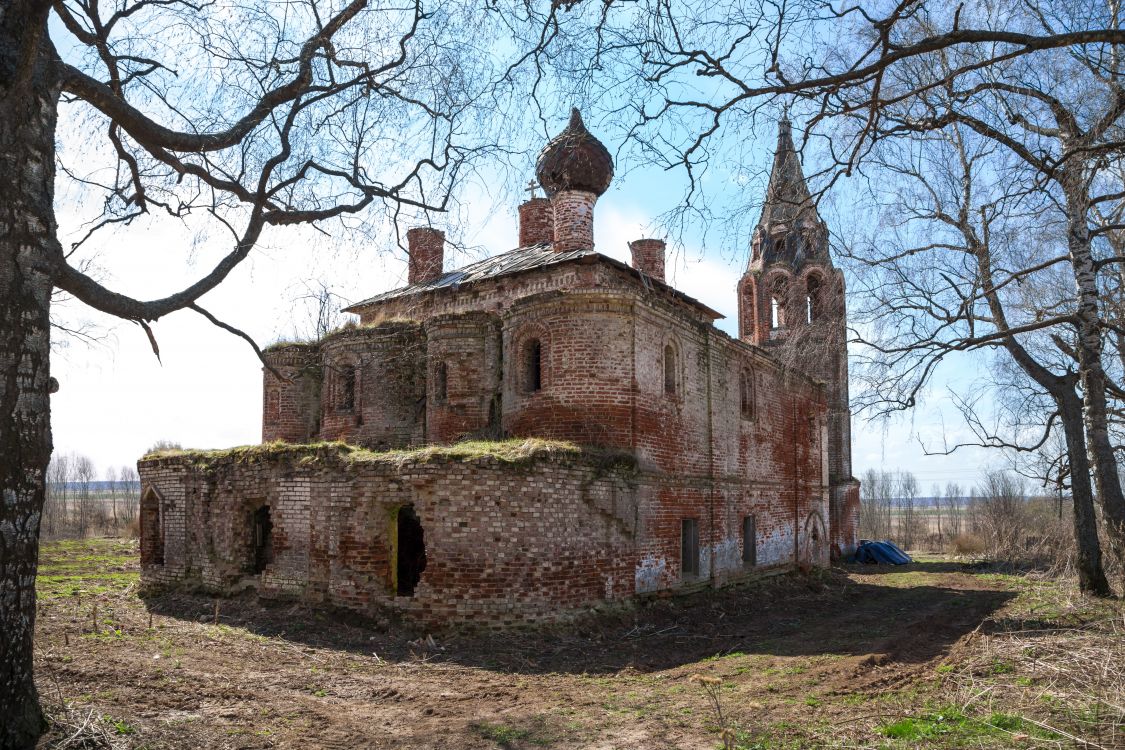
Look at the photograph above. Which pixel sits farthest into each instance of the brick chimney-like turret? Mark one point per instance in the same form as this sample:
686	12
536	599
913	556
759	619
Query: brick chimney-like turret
427	254
537	222
648	257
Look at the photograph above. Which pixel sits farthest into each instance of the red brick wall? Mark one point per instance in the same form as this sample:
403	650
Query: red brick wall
426	248
290	407
506	543
468	347
587	379
574	220
388	408
537	222
648	257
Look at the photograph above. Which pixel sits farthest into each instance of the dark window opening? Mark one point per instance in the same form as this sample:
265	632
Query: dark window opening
263	539
669	370
813	301
346	397
533	366
152	531
749	542
410	559
746	395
689	547
441	383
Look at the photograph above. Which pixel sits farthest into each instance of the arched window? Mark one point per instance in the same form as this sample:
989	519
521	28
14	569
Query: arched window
345	394
670	367
779	292
533	366
813	298
746	394
441	383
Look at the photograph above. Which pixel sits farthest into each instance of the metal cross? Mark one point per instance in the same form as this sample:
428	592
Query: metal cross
531	187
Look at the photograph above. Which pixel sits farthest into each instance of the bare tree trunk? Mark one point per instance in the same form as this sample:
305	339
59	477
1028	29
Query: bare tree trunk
1091	576
1089	353
28	110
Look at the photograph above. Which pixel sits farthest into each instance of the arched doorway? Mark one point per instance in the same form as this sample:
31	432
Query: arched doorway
814	547
152	529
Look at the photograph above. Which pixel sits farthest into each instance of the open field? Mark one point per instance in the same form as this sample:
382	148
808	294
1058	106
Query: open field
935	654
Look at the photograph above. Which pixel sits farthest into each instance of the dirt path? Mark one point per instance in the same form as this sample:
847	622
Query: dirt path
793	653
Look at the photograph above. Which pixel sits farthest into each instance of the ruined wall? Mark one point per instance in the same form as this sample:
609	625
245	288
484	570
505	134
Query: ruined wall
506	542
464	365
375	386
585	391
291	404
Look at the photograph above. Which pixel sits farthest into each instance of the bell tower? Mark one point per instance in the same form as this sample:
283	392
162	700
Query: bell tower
791	302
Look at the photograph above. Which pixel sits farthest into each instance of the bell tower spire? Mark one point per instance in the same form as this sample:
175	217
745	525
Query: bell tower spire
791	301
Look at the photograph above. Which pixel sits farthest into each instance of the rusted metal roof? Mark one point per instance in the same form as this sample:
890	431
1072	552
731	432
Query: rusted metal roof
516	261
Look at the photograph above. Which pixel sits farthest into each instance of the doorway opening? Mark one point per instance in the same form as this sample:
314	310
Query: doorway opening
152	530
263	539
410	559
749	542
689	548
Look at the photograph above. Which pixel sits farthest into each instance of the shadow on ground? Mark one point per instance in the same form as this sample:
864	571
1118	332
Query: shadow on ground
795	615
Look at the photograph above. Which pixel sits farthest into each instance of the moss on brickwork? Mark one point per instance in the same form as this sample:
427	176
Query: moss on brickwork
287	343
392	325
517	451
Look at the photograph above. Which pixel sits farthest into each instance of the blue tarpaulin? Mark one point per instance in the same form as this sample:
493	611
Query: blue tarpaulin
885	552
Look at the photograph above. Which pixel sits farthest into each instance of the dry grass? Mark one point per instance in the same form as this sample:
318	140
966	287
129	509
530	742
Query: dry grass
1060	668
968	544
512	451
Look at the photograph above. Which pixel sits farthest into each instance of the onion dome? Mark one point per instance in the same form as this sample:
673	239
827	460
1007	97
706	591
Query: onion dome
574	160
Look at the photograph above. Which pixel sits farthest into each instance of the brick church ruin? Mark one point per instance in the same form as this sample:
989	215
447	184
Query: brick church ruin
622	444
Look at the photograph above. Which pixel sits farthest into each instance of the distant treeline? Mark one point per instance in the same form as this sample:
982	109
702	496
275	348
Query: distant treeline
1000	518
83	500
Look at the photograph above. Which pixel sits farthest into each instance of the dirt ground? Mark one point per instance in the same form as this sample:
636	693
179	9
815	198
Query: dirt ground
826	659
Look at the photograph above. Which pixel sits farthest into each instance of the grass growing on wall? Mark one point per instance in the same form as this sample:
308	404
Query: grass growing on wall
511	451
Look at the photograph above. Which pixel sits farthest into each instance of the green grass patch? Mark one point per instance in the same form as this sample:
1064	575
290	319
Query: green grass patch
62	586
506	735
952	728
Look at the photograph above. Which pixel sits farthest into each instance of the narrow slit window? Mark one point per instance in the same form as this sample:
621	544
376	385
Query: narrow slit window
779	293
746	395
749	542
533	366
346	395
689	547
441	383
670	367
